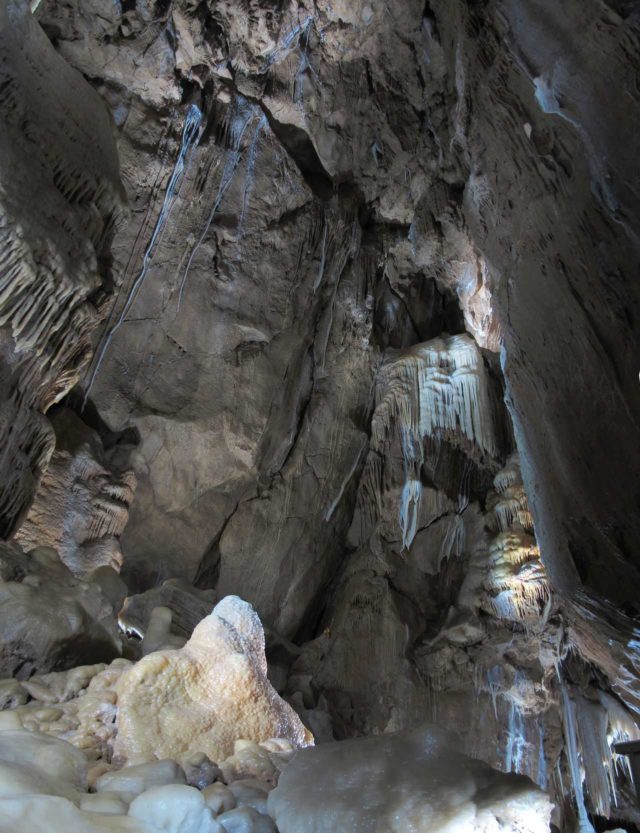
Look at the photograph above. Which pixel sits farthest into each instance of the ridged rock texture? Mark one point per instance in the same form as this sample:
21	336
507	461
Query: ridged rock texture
82	505
60	199
368	344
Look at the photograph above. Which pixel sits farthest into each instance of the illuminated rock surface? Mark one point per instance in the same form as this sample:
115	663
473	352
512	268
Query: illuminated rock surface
408	781
204	696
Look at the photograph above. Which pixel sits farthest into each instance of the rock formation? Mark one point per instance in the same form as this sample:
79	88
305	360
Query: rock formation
61	198
203	697
368	347
411	781
51	619
43	784
81	506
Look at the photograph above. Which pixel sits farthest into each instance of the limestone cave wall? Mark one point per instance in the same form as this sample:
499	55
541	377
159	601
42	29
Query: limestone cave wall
365	349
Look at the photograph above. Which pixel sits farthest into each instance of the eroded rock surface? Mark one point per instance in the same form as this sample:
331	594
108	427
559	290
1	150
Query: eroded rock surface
82	505
61	197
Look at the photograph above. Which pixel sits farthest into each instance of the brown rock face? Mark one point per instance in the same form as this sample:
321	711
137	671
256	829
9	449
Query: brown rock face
551	198
60	199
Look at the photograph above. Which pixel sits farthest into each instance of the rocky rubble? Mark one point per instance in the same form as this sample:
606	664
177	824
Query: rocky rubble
45	784
187	740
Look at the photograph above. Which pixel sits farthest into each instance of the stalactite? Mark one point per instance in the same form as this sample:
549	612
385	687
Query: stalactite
190	137
434	392
242	114
516	740
599	777
288	42
437	389
571	740
252	158
515	586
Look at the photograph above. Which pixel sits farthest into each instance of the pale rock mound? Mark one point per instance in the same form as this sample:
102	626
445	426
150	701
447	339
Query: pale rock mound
201	698
406	781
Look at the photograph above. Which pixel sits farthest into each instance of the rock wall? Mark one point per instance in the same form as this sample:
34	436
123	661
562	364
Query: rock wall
61	197
550	198
298	181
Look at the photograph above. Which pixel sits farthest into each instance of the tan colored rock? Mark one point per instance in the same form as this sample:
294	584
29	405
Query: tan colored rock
82	504
205	696
253	760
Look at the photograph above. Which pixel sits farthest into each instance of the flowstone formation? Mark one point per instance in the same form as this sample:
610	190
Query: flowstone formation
82	505
178	704
204	696
407	781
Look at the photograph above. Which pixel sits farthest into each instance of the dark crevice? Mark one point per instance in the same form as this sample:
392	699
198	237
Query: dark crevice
90	415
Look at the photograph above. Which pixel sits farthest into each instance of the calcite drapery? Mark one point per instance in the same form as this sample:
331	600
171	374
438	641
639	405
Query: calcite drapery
82	504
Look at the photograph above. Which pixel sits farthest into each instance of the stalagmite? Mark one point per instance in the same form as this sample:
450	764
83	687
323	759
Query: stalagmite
204	696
